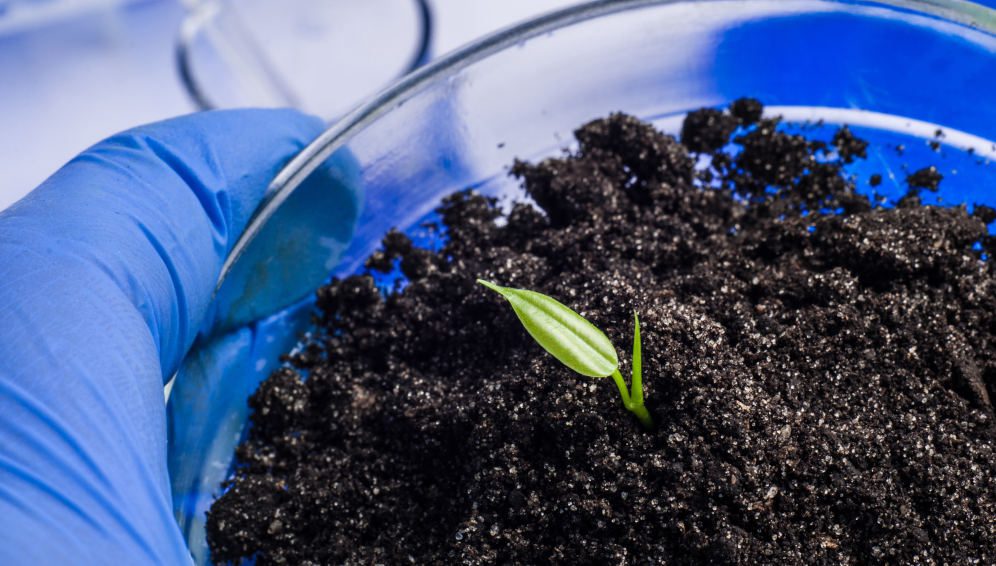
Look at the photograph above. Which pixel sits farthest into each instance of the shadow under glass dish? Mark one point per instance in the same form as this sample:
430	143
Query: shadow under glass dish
894	71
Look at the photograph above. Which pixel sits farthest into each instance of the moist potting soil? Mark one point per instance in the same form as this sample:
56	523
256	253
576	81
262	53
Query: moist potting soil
820	369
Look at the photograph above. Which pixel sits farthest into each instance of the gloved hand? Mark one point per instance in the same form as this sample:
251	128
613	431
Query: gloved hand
106	274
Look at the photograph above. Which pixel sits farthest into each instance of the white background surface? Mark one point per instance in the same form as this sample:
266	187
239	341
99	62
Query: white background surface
68	82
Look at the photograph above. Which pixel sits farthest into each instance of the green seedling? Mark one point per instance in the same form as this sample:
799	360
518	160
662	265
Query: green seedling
577	343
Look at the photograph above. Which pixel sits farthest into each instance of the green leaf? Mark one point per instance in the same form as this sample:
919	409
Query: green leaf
561	331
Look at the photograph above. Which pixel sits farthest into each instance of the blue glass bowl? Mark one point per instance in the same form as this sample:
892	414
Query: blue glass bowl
896	71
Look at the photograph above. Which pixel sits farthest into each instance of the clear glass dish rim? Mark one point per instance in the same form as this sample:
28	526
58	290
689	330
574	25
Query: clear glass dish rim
204	12
338	134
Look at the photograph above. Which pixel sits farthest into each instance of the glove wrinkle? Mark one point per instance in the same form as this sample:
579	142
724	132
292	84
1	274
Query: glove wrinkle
207	185
179	313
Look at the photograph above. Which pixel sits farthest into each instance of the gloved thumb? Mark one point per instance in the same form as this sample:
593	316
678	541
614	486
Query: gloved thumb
106	272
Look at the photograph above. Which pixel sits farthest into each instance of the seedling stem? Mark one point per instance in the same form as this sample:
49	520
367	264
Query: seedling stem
577	343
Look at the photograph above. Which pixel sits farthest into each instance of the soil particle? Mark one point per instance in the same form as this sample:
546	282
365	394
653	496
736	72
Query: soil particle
747	110
928	178
820	372
848	146
707	130
395	245
985	213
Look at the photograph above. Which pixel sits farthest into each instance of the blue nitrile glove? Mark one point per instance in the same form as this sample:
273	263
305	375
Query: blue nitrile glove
106	274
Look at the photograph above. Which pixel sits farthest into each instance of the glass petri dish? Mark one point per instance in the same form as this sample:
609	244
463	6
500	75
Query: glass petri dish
895	71
314	55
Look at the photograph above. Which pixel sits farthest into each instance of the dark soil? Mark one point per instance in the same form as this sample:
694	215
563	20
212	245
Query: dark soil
928	178
821	383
